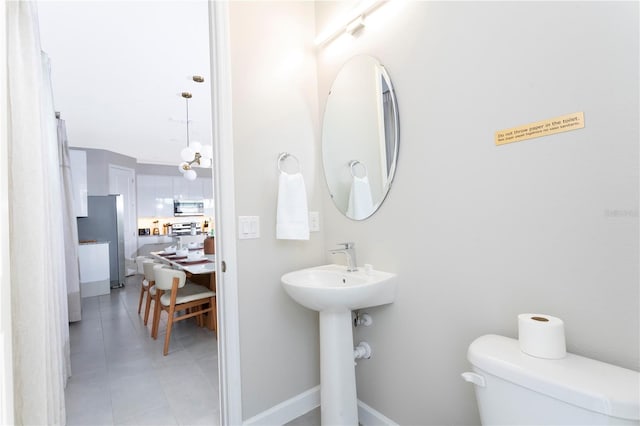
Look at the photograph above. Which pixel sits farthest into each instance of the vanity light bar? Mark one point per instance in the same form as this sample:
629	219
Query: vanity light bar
355	26
351	23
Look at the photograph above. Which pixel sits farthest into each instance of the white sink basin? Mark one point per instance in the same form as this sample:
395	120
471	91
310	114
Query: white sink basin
334	292
331	287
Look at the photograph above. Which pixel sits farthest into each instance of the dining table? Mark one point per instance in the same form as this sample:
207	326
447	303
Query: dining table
200	271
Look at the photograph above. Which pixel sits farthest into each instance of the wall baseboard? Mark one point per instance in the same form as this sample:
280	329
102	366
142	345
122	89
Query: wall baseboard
301	404
287	410
367	416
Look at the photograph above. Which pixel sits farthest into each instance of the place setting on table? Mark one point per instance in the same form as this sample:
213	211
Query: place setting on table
191	258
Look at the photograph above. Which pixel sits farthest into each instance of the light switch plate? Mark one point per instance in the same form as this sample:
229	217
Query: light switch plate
248	227
314	221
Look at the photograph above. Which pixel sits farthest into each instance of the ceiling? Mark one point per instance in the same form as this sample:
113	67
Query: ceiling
118	69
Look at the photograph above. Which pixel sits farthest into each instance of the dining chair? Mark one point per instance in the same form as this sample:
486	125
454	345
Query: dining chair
147	287
154	294
175	294
139	261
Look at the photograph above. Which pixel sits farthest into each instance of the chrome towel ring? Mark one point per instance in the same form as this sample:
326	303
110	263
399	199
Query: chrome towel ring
353	164
283	156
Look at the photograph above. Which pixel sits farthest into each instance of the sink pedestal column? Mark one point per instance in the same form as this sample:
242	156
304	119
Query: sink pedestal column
338	399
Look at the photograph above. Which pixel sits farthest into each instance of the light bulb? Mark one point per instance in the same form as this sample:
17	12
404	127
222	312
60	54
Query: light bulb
190	174
196	146
205	162
183	167
187	154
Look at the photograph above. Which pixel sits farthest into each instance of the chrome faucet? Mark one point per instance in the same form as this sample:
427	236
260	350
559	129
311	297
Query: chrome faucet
350	251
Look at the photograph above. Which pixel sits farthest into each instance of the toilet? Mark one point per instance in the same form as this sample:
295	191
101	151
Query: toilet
513	388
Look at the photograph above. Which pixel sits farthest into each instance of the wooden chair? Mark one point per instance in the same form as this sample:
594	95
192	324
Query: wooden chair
147	283
174	294
154	294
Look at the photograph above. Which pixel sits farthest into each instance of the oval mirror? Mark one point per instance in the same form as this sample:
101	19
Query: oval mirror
360	137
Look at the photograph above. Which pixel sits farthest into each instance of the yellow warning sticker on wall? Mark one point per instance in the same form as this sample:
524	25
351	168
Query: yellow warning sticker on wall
564	123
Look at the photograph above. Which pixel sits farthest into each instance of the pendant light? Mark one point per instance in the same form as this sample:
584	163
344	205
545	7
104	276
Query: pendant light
194	154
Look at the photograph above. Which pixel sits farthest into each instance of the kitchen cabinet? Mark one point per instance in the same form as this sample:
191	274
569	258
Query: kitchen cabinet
78	160
156	193
196	191
207	188
155	196
146	196
163	196
184	189
179	188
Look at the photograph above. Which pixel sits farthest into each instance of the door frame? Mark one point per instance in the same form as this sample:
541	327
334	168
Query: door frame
130	213
6	341
225	224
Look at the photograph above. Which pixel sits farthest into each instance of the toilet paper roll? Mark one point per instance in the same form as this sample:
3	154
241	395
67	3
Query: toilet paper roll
541	336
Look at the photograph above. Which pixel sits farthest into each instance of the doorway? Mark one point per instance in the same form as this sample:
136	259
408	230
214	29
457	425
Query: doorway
127	116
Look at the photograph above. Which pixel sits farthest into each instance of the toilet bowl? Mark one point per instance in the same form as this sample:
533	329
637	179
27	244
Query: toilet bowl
513	388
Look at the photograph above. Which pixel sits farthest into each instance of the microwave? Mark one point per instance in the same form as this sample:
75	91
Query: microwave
188	208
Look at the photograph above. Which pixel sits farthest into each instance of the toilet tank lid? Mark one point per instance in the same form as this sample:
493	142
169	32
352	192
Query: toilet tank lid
587	383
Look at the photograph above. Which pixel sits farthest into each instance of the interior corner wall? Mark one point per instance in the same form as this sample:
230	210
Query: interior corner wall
479	233
274	97
98	161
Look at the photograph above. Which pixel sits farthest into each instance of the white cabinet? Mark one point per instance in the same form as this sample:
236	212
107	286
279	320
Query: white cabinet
93	259
195	190
155	196
163	196
146	196
156	193
179	188
78	160
207	188
184	189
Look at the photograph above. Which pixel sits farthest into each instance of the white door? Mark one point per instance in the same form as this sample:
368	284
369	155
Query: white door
122	181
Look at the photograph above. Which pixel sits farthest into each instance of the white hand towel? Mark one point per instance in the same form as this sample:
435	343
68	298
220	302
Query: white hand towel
360	201
292	217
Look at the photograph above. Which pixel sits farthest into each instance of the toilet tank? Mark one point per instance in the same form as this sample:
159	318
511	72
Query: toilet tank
513	388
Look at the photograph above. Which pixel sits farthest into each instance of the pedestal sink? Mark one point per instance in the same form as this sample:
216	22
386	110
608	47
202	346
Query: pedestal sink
334	292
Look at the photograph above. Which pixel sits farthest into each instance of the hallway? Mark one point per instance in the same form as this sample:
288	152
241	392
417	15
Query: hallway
120	377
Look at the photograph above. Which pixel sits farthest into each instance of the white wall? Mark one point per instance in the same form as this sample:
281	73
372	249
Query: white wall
479	233
98	161
274	110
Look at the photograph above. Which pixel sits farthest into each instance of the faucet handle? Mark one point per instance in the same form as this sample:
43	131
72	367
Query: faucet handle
347	245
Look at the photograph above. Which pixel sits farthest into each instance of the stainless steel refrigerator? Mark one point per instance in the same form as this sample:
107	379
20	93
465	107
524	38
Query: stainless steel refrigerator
105	222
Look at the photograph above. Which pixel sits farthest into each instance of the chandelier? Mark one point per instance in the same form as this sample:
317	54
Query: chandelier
194	154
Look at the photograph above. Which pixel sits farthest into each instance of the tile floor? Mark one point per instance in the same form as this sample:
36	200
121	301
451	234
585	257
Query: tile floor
120	377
